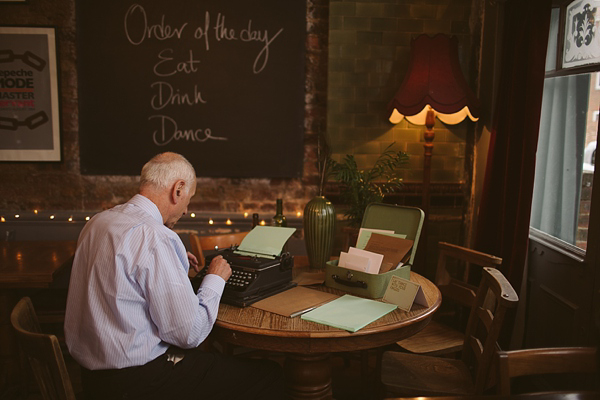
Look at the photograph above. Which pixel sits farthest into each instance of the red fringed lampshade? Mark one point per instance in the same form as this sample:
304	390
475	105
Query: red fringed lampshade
434	79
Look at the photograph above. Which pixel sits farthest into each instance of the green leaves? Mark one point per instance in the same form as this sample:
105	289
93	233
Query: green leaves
362	187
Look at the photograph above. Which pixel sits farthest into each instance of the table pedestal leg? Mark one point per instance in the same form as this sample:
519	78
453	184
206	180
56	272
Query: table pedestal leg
308	376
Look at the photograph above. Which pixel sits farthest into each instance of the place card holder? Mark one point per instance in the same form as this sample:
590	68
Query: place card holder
404	293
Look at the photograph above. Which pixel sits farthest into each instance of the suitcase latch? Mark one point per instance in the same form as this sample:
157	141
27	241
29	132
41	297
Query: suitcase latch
349	282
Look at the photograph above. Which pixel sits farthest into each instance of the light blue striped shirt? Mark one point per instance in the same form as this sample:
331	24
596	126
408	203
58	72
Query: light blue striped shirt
130	296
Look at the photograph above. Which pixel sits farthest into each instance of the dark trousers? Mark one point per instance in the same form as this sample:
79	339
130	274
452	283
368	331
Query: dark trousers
199	375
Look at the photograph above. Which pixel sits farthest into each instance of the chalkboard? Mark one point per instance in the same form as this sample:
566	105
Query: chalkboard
219	81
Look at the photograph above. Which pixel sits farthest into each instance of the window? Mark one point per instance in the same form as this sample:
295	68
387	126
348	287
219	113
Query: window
568	125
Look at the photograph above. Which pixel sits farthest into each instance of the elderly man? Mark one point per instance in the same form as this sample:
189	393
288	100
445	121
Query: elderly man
133	322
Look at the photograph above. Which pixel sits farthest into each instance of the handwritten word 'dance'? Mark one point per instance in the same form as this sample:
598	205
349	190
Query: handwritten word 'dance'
137	28
169	131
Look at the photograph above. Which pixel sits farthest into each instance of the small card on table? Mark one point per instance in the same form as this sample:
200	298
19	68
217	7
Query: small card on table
404	293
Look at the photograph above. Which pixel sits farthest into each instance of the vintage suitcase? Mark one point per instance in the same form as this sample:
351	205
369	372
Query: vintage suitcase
403	220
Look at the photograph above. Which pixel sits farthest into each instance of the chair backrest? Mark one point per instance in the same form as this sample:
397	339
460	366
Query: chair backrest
455	265
200	243
43	353
494	297
559	360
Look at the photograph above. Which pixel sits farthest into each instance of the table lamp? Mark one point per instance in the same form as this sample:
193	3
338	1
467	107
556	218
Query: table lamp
433	86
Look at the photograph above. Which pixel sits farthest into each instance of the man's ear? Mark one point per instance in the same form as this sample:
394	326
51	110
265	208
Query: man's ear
178	190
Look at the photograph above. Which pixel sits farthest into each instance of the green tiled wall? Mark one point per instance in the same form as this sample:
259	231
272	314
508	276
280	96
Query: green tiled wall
369	47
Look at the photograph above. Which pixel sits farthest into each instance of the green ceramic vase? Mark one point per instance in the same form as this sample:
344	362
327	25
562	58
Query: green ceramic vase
319	229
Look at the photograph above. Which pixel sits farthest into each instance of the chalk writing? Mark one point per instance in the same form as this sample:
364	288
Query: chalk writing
169	131
165	95
140	26
188	66
249	35
159	31
201	32
138	29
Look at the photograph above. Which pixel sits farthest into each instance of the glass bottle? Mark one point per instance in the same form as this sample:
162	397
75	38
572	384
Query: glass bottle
254	220
279	218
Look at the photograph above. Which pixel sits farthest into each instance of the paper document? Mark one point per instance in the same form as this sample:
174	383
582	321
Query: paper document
374	259
353	261
309	278
395	250
348	312
364	234
294	301
264	241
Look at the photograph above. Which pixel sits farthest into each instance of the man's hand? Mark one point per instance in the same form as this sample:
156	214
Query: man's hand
220	266
193	261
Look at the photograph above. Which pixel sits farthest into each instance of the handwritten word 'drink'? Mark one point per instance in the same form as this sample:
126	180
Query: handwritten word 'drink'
169	131
167	95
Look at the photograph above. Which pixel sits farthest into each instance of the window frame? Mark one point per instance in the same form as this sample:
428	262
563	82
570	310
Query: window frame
576	253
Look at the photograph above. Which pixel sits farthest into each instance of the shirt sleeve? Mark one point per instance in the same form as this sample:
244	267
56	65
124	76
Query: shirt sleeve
182	318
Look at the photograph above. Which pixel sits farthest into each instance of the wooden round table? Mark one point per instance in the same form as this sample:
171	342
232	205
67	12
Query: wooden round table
307	345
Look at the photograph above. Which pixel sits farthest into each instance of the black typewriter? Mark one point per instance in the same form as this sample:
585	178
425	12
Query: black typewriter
253	278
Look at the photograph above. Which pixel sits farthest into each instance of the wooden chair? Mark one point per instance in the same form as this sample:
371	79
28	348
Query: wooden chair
42	352
416	375
559	360
439	338
199	244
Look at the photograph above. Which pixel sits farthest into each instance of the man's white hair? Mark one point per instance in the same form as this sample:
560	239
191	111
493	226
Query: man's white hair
164	169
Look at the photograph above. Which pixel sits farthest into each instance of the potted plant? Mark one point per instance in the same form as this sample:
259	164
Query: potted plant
360	187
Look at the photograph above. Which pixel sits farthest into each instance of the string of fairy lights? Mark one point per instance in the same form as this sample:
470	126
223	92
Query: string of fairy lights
54	216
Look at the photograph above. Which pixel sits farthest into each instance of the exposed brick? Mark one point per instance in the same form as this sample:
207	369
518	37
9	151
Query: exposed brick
421	11
369	37
356	23
410	25
439	26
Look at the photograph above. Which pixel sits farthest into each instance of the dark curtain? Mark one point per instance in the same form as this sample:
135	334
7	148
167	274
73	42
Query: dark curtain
503	224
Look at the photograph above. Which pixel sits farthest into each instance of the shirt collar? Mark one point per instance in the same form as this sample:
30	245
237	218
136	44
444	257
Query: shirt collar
147	205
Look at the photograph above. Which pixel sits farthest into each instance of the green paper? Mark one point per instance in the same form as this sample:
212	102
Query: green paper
265	241
348	312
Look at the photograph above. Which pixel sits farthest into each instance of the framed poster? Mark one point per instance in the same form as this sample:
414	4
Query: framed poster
29	109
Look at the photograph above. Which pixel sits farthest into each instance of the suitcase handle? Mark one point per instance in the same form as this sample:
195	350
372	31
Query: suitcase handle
358	284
